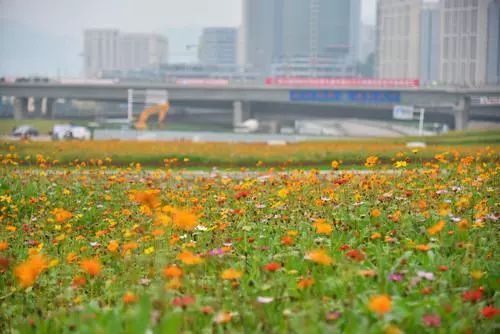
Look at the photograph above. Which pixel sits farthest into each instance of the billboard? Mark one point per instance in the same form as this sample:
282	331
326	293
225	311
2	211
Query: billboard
342	82
356	97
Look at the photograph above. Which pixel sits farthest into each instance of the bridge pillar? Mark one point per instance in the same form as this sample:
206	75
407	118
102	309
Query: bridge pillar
20	107
241	112
49	107
37	107
462	113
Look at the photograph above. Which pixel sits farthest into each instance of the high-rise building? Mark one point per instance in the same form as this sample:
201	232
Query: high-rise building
286	33
139	50
100	50
367	43
429	43
218	46
259	33
398	39
109	50
464	37
493	45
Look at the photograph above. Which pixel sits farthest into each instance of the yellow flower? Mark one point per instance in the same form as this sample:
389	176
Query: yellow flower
231	274
371	161
476	274
400	164
149	250
323	228
335	164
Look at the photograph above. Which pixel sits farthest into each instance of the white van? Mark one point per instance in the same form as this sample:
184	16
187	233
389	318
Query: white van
68	132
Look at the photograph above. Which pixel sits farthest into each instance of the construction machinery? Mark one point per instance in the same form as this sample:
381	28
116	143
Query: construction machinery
160	109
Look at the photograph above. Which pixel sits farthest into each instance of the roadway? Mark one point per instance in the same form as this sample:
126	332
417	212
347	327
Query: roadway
456	102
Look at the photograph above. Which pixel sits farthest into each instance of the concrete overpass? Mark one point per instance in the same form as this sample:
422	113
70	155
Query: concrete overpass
241	97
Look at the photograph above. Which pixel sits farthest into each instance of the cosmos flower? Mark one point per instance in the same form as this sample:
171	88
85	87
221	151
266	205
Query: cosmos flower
380	304
319	256
91	266
28	271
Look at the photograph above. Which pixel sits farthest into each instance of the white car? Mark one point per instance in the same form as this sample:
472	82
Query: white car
68	132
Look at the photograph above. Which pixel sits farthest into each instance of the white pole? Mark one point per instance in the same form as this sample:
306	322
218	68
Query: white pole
421	122
130	105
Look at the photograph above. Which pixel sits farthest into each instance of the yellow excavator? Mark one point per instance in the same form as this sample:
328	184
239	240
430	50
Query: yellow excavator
160	109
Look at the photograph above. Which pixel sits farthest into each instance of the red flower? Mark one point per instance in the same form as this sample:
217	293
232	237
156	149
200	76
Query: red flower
355	255
472	295
489	312
344	247
272	266
183	301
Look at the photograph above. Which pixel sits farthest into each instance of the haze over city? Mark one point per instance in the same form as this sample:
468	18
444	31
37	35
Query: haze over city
46	37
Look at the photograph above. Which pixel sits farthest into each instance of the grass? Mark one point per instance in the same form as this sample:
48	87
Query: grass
319	154
123	250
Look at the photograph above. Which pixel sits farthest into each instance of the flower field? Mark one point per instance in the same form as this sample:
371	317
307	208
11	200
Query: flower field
90	247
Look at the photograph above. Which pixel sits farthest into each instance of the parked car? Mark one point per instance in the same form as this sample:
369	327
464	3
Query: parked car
25	131
68	132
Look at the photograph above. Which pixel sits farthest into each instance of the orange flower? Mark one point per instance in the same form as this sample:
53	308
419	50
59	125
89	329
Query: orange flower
463	224
184	220
287	240
4	245
375	213
305	283
319	256
129	297
78	281
71	257
28	271
189	258
113	246
149	198
380	304
91	266
61	215
423	248
130	246
371	161
231	274
433	230
323	228
172	272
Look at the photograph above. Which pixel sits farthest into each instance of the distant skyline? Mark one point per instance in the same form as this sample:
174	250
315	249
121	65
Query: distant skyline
64	21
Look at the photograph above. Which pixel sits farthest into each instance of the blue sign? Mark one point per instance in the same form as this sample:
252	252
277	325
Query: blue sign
315	95
370	97
374	97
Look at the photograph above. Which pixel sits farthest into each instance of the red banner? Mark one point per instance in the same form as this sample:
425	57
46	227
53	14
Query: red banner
343	82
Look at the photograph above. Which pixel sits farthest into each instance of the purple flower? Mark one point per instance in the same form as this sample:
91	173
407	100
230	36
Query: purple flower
215	252
426	275
395	277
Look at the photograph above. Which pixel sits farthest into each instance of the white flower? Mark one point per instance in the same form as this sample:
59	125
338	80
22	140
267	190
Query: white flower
264	300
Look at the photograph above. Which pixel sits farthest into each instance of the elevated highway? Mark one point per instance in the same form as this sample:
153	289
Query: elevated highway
241	98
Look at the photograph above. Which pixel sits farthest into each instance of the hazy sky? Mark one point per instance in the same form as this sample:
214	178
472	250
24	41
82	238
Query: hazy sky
182	18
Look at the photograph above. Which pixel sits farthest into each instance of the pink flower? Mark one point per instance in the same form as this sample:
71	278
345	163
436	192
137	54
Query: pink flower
431	320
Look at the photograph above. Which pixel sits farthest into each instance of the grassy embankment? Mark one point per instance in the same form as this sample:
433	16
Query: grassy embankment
319	154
